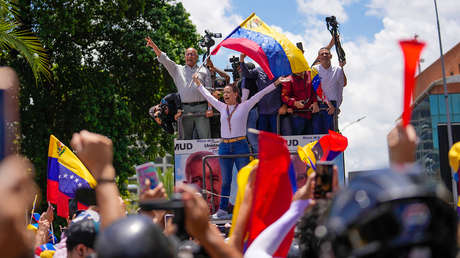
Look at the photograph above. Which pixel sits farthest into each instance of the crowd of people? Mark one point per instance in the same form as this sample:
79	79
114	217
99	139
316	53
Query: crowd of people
389	213
294	108
394	212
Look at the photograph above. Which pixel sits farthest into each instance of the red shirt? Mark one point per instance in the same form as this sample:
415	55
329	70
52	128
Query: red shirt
299	89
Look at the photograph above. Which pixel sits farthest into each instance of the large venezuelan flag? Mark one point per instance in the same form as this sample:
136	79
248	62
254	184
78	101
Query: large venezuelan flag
66	173
273	51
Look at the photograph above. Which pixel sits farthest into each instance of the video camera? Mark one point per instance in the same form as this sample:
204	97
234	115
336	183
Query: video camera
207	41
235	62
175	204
333	27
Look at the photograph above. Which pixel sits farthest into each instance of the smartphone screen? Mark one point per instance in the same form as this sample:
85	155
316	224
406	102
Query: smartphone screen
323	179
168	217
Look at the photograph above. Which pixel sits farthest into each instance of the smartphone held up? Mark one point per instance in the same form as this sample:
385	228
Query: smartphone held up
323	179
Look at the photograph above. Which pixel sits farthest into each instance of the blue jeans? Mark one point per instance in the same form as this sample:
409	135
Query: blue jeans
226	166
252	123
301	125
322	121
267	123
285	124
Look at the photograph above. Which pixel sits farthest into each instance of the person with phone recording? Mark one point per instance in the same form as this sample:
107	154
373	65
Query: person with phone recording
233	120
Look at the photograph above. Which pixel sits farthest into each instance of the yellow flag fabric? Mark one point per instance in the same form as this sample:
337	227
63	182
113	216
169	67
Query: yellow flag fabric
242	180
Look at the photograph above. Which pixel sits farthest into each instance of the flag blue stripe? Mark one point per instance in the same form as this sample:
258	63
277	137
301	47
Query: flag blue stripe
69	182
277	58
292	178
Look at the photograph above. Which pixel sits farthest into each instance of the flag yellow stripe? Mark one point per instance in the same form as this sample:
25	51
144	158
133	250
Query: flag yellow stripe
294	54
69	160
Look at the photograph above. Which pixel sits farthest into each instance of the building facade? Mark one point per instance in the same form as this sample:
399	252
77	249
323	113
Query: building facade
430	108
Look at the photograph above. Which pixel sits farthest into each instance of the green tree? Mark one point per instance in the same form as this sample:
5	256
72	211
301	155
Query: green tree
22	40
104	79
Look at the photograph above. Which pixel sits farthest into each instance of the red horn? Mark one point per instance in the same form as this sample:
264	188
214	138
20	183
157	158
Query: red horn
411	50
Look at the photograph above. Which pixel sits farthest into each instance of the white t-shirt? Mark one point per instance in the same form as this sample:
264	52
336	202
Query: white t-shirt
239	118
332	82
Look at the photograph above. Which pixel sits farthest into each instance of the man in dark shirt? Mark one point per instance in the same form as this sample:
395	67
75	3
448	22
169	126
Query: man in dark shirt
167	112
269	105
299	95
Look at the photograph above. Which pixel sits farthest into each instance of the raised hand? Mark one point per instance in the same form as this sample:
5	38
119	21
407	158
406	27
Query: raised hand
96	152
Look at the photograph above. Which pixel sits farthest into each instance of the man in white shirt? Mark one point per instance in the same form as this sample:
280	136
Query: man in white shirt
333	80
192	100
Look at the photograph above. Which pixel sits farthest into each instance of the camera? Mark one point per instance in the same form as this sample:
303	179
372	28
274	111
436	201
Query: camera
207	41
235	62
332	26
332	22
176	205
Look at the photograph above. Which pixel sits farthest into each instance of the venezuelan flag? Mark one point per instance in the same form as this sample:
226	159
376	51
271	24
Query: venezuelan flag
327	148
273	51
316	83
273	189
454	161
66	173
45	251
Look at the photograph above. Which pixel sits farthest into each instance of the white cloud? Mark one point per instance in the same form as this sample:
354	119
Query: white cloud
374	65
212	15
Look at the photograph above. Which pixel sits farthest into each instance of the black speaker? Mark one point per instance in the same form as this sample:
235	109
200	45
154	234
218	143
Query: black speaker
445	168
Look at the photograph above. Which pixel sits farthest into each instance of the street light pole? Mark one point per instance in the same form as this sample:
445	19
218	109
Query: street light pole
446	100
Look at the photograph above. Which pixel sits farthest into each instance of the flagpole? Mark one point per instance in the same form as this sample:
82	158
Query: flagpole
446	100
33	209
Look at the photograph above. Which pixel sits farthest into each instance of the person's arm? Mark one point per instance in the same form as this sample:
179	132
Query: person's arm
266	244
314	105
402	144
244	91
286	94
223	74
207	95
259	95
96	153
170	65
198	226
244	69
342	64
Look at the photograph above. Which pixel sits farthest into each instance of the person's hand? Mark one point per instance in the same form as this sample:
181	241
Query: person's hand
280	80
49	214
402	143
178	114
342	63
306	191
242	56
298	104
96	153
209	113
283	109
196	79
210	65
290	111
330	109
196	211
158	192
314	107
149	42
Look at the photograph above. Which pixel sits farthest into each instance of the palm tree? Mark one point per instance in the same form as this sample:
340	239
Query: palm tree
23	41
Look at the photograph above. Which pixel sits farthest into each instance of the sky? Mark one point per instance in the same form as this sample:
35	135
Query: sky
370	30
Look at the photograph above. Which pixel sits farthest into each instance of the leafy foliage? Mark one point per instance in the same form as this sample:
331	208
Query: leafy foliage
22	40
104	79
